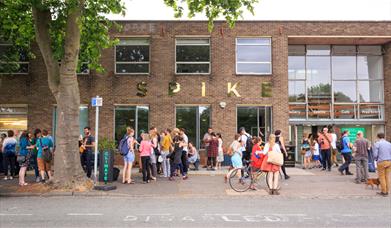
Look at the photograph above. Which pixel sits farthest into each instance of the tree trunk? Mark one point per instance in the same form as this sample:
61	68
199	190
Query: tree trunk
63	83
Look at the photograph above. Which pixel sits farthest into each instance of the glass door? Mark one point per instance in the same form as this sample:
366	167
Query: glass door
256	120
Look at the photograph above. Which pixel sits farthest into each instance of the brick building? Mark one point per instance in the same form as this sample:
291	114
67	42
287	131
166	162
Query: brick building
293	76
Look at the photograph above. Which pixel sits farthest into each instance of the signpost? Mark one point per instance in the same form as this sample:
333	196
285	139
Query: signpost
96	102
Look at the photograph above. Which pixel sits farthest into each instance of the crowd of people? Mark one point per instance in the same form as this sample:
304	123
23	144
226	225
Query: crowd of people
169	153
18	152
321	150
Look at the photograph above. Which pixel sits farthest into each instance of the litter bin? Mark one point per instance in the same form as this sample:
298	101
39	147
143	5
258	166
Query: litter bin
106	160
290	160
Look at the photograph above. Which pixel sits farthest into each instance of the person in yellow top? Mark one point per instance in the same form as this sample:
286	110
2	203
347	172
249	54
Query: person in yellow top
166	145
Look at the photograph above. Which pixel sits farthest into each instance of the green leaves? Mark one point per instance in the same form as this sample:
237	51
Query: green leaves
17	28
231	10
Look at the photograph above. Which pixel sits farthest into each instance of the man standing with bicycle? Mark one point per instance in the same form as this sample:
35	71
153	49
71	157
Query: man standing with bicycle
245	140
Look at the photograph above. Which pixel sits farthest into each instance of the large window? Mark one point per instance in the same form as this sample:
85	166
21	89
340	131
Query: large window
13	117
341	81
135	117
192	56
195	120
253	56
132	56
13	60
256	120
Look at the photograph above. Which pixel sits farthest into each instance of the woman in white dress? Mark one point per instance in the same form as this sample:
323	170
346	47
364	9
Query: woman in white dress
220	155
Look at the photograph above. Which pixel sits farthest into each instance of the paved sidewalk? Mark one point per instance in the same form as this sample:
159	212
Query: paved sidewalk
302	184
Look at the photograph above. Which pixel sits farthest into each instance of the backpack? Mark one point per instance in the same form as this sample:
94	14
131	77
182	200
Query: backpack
123	147
339	144
249	144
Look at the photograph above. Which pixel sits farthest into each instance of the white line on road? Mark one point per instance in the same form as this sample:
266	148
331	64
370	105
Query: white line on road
16	214
84	214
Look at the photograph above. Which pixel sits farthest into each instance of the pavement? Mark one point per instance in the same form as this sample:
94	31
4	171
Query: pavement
303	184
310	198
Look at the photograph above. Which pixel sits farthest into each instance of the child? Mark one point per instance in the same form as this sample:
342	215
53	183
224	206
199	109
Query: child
315	152
220	153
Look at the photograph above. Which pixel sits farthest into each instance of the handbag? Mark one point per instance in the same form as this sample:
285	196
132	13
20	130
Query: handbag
46	154
275	158
21	159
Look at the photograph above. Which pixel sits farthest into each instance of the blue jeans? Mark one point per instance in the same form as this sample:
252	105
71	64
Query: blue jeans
34	163
326	158
175	167
166	164
348	160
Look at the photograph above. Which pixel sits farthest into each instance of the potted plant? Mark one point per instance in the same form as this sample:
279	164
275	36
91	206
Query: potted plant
106	149
106	144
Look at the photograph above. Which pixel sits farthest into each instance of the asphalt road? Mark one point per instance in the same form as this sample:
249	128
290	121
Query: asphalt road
243	211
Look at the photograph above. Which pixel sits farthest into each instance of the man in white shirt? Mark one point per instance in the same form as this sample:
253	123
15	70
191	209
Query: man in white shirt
334	146
244	136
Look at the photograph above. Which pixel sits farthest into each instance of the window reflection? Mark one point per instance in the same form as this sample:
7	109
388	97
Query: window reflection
345	91
353	73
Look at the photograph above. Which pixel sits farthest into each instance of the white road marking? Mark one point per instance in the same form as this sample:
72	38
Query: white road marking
15	214
84	214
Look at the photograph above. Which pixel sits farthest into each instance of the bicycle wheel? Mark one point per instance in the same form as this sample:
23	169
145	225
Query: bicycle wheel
238	182
279	181
259	180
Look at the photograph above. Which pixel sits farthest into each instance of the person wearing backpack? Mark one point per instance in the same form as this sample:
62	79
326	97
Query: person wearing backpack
126	148
9	155
245	139
346	153
45	155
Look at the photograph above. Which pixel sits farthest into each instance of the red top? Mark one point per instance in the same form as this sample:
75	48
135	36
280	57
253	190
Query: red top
256	160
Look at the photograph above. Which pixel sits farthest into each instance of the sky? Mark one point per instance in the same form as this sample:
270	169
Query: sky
367	10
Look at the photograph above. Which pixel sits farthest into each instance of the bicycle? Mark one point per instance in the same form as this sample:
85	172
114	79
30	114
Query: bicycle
241	179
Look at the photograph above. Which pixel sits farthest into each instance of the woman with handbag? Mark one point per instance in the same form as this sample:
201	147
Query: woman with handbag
24	156
272	164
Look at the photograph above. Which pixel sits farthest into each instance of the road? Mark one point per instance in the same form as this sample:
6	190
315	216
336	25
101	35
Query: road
167	211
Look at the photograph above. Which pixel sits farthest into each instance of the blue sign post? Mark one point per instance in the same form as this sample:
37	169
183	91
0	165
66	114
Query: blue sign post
96	102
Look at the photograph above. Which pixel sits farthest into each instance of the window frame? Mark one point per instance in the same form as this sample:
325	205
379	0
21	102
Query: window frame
193	38
18	62
271	55
136	106
357	104
199	137
148	38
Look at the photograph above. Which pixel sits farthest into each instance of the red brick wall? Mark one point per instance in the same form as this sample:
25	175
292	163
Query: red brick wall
114	89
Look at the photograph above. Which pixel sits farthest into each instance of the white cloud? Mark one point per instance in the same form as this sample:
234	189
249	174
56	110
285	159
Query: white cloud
372	10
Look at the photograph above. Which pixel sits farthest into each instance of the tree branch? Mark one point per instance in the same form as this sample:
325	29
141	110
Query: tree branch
42	20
